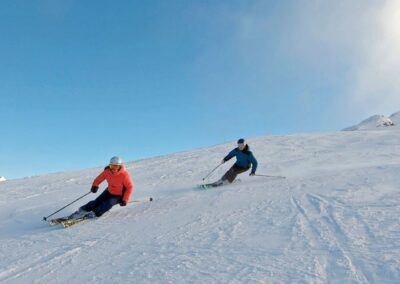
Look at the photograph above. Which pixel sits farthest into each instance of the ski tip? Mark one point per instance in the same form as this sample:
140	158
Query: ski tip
204	186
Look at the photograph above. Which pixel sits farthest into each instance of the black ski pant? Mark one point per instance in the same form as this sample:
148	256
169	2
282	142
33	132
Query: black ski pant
232	173
103	203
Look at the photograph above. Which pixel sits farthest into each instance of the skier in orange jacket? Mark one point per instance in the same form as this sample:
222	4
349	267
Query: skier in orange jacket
119	191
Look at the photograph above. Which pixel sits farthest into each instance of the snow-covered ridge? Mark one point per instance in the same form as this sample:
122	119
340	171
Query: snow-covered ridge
395	118
334	219
2	178
376	122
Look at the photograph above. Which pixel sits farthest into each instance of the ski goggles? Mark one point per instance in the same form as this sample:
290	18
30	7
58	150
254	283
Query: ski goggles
115	167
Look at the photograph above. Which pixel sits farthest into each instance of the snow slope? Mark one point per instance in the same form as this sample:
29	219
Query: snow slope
335	219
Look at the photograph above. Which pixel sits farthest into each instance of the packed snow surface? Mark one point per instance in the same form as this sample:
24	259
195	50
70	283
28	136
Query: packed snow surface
334	219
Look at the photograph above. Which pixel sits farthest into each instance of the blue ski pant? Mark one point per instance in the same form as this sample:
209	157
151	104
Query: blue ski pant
103	203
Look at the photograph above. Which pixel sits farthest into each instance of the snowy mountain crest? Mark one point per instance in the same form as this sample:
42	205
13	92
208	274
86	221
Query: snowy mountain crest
2	178
395	118
377	122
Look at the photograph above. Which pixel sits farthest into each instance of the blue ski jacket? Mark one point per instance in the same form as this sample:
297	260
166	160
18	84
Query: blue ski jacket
244	159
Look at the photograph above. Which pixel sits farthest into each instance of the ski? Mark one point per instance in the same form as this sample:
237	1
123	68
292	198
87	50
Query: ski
56	221
70	222
212	185
206	186
66	221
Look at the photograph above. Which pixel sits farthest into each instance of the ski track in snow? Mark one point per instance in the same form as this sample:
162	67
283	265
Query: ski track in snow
333	220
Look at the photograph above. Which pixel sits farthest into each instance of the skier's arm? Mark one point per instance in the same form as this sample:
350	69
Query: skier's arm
99	179
230	155
254	164
128	189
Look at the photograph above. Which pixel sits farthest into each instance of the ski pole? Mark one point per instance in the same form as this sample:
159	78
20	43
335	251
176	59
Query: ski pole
270	176
212	171
45	218
141	200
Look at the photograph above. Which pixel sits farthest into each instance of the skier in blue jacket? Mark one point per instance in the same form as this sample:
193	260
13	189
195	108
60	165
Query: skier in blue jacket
244	161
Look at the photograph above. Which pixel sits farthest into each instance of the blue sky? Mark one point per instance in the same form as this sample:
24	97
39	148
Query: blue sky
81	81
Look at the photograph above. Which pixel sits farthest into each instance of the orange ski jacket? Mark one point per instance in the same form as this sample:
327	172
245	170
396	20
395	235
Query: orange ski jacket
119	183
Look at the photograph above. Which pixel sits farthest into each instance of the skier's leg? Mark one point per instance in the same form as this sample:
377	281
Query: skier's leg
224	179
91	205
107	205
232	173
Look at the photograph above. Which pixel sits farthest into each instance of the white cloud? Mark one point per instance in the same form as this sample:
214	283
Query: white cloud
376	75
352	45
347	50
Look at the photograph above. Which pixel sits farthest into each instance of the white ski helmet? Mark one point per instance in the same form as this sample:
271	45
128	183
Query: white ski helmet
116	161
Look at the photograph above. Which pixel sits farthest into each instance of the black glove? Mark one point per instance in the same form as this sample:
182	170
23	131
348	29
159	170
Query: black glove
94	189
123	203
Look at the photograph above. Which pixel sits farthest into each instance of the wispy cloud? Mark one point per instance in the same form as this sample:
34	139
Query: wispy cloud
358	41
352	45
376	74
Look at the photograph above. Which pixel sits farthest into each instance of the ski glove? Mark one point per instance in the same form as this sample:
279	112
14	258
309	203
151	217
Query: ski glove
123	203
94	189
